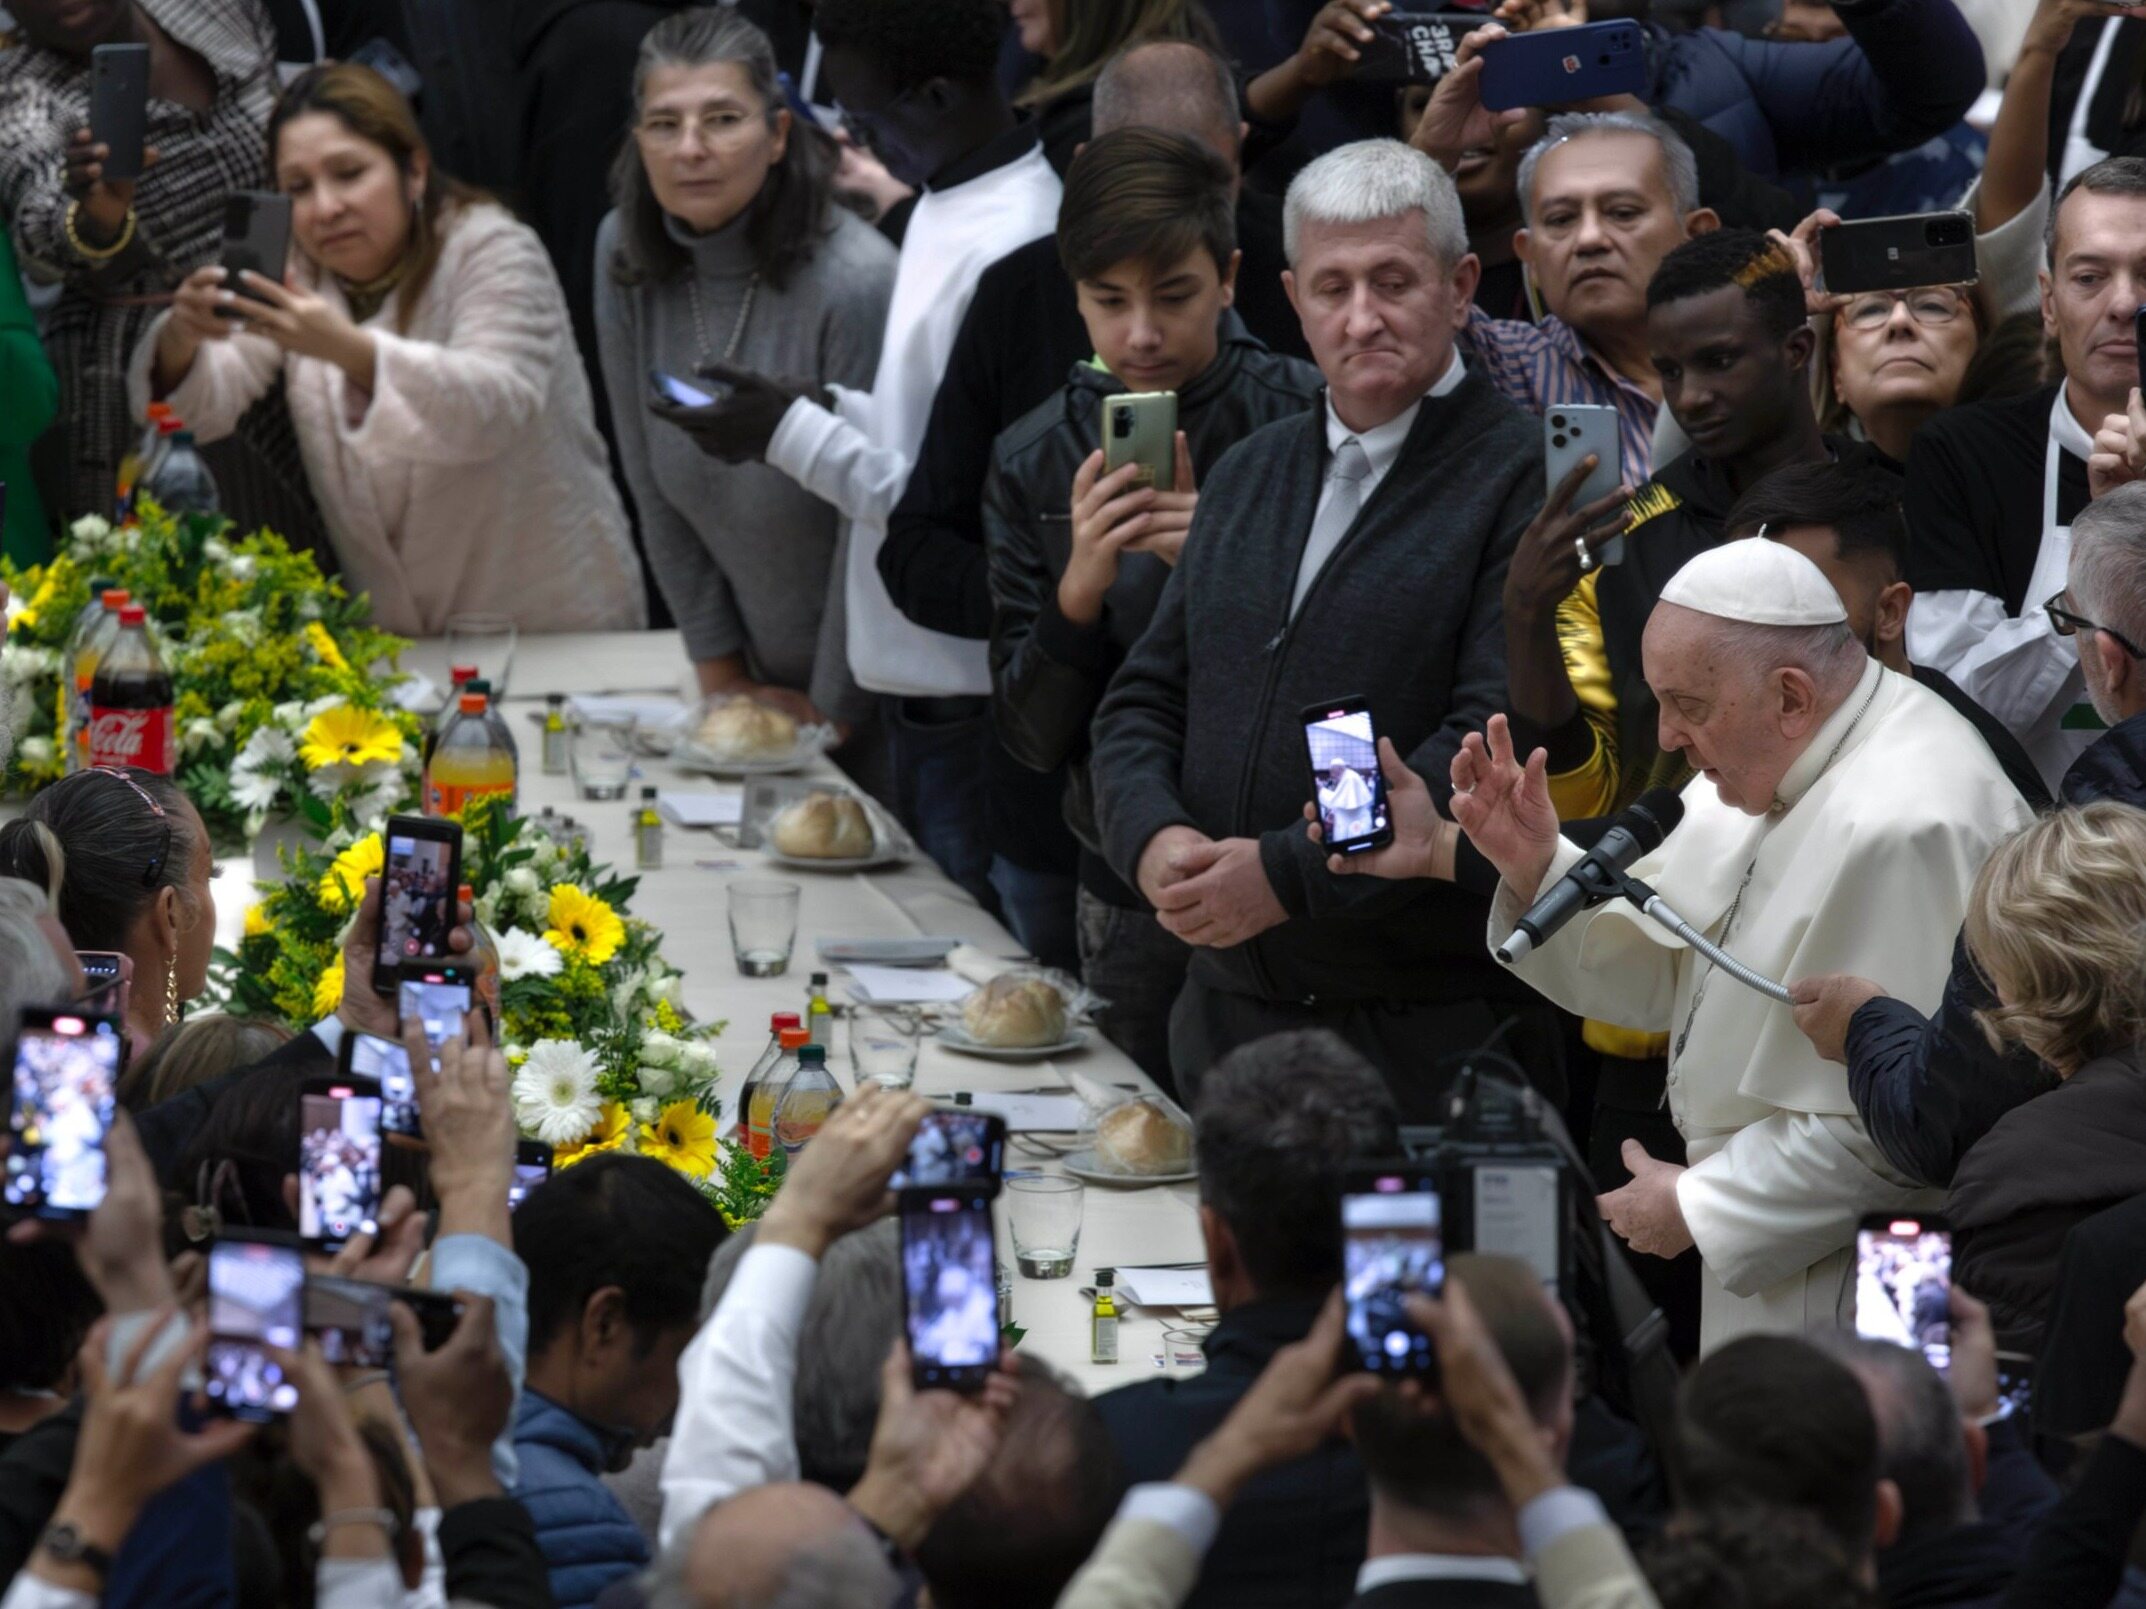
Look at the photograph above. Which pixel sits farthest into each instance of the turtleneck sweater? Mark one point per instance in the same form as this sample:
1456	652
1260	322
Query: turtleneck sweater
742	552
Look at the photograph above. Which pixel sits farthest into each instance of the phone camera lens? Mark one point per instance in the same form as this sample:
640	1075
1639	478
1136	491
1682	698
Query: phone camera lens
1557	441
1121	424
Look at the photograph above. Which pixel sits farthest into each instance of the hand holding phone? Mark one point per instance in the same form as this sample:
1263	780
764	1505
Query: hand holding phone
1903	1283
64	1086
339	1160
1346	777
119	108
256	1301
1558	66
954	1151
257	239
950	1290
1392	1245
1898	254
421	878
670	388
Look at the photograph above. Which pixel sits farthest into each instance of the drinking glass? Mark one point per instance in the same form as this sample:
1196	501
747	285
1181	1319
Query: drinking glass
883	1047
1044	1212
486	641
601	758
763	926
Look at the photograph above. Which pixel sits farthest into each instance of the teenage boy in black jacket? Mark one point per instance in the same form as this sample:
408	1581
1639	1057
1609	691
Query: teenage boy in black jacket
1077	556
1356	550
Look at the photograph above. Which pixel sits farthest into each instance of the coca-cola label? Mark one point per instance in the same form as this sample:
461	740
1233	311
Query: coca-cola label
140	738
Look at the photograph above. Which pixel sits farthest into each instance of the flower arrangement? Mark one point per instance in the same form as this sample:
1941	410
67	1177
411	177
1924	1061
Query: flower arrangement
603	1056
283	701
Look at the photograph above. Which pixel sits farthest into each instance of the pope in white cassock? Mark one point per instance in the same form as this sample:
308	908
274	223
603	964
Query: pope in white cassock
1836	824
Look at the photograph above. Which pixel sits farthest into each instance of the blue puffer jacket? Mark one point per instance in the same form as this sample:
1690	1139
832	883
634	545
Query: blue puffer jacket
1907	73
587	1537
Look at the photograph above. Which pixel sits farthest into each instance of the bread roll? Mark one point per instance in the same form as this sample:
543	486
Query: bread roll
739	729
824	826
1141	1137
1015	1013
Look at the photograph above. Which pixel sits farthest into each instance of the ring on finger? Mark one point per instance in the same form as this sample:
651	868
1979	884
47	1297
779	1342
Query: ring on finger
1587	558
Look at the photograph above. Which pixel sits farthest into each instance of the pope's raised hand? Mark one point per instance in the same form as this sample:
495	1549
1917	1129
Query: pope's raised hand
1503	805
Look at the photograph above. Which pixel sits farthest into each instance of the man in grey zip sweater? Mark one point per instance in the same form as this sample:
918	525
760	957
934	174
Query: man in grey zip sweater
1357	550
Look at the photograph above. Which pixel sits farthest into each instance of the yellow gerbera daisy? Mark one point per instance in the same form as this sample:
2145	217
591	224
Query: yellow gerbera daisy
328	992
612	1127
323	646
682	1138
343	884
583	925
257	922
346	735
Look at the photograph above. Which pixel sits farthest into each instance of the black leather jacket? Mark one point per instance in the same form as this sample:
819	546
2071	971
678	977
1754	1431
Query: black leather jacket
1048	674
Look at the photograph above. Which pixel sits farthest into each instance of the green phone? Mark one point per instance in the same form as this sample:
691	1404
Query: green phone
1140	427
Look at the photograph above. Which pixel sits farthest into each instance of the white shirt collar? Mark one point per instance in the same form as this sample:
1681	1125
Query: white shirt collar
1382	443
2071	435
1439	1567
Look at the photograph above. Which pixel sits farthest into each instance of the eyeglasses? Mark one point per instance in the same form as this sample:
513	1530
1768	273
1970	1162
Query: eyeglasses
163	852
1932	309
719	129
2068	624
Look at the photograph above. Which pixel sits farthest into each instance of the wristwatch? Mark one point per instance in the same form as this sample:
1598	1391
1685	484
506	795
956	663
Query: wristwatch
69	1546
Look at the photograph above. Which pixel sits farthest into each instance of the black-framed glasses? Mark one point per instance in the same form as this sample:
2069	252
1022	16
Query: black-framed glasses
2068	624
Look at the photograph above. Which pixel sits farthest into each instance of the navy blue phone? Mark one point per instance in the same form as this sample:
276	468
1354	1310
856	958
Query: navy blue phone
1560	65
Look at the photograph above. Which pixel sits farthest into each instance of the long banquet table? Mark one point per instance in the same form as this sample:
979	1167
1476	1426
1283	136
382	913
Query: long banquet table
687	902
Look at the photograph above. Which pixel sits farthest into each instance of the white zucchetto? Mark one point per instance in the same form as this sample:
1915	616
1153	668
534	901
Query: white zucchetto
1758	581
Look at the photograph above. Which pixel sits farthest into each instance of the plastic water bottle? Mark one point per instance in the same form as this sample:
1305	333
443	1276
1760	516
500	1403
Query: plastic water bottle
179	479
807	1101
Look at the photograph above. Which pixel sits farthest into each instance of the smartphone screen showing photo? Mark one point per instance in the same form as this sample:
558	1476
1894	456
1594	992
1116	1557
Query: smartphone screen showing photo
1392	1243
954	1151
349	1317
950	1284
418	894
65	1079
532	1166
1345	776
256	1300
1903	1285
387	1062
338	1163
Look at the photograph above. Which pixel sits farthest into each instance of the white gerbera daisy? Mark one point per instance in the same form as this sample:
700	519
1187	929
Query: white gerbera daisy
269	745
254	790
555	1095
523	955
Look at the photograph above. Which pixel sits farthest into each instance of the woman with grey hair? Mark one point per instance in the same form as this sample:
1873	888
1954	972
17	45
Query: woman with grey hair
727	246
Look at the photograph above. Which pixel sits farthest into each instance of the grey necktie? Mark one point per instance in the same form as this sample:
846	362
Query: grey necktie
1337	512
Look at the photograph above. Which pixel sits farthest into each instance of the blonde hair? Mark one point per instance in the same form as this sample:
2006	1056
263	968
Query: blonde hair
192	1053
2057	924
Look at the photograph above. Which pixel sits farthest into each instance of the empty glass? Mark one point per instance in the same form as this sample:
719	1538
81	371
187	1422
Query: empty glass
1044	1213
601	758
763	926
486	641
883	1047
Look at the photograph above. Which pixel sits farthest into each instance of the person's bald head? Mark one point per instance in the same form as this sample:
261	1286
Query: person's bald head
1174	85
794	1545
1744	701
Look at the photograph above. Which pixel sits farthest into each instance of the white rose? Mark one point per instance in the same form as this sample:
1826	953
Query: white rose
487	910
243	568
231	714
660	1082
661	1048
199	734
522	882
646	1111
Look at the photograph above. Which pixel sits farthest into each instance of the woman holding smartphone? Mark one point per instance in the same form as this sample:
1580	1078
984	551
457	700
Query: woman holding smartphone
727	245
423	342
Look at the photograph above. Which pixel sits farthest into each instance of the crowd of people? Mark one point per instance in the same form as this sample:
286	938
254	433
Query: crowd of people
831	332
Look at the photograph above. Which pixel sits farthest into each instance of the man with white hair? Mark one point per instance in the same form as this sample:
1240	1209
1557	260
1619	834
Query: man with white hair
1837	821
1356	549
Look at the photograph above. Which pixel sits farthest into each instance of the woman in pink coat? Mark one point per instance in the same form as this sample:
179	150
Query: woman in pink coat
441	411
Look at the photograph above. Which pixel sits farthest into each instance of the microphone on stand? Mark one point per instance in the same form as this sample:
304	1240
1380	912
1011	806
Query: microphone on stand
1599	875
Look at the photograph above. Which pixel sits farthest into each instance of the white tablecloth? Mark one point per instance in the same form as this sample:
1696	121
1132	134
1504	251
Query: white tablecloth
687	903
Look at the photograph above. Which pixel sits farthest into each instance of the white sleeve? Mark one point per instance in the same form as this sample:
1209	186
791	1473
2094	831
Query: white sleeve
2014	668
831	454
27	1591
357	1584
1783	1194
734	1424
225	379
1608	963
2009	257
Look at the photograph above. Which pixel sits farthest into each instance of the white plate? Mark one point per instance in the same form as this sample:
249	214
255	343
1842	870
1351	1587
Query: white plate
692	757
891	855
957	1038
1082	1165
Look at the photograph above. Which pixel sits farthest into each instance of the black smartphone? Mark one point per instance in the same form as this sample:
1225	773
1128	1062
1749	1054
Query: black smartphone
2138	336
369	1059
954	1150
419	882
532	1166
256	1301
950	1290
1562	65
1903	1283
349	1317
257	239
339	1146
1414	47
62	1095
1345	776
108	975
1392	1244
695	393
1898	254
119	106
438	998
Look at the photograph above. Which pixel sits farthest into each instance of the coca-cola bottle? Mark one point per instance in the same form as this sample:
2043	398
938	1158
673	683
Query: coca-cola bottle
130	701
